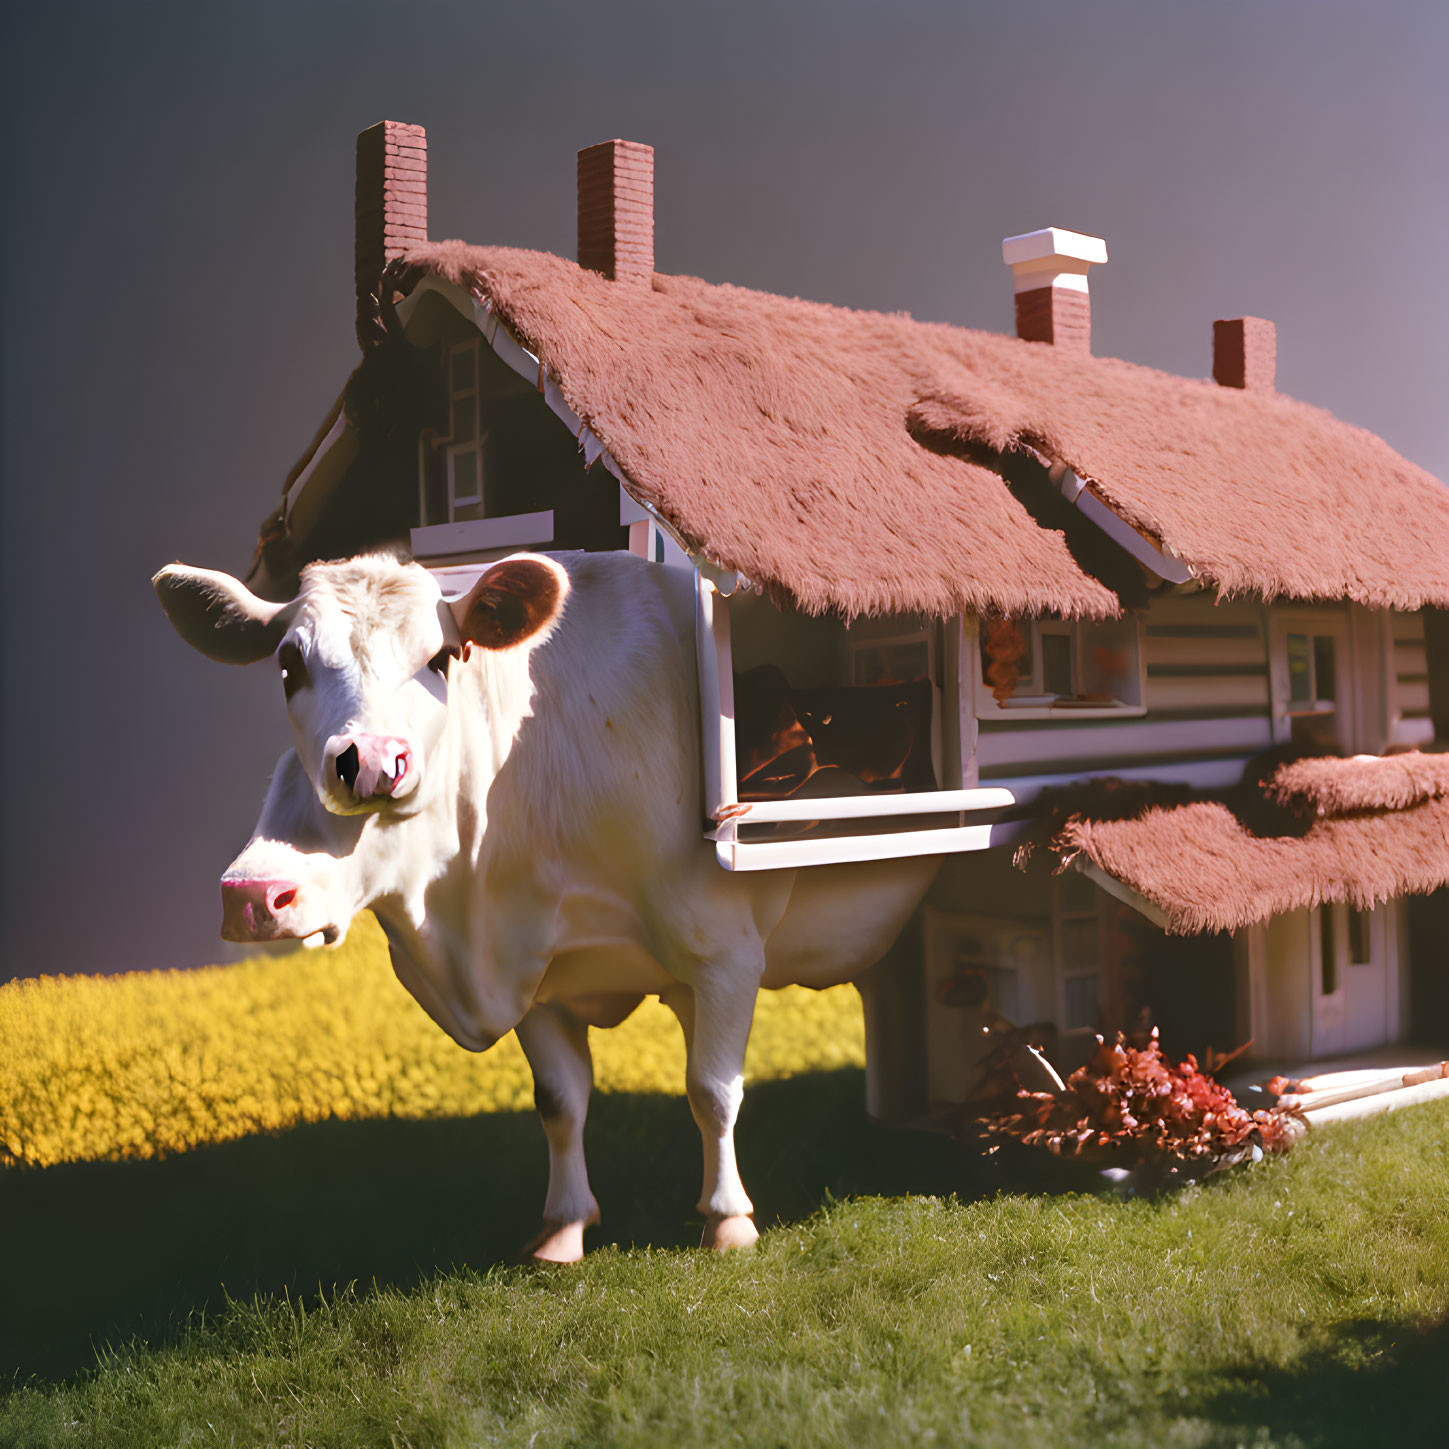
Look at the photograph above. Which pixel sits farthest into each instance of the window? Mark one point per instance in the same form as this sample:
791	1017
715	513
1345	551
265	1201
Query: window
985	962
896	660
464	450
1308	679
977	969
857	707
1327	953
1360	950
1050	665
1345	937
988	983
451	466
1312	676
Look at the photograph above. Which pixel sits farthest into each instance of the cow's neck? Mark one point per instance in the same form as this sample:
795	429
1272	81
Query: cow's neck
430	863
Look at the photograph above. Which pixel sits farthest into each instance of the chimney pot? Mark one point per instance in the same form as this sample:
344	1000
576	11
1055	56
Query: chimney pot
616	211
1049	269
392	198
1245	353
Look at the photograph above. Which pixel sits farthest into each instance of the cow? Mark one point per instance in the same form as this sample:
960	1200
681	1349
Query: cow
511	781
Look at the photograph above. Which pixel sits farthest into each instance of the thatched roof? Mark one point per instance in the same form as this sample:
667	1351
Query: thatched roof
840	456
1220	864
771	433
1362	782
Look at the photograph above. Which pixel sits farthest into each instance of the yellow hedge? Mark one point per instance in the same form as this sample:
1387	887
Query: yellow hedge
104	1067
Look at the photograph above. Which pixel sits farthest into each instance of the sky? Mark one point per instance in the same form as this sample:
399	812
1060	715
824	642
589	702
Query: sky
177	300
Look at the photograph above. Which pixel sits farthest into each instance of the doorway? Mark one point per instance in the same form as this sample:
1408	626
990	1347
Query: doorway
1352	979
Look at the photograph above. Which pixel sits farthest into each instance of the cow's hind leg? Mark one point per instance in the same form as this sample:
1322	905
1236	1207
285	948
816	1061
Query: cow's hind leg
556	1044
716	1017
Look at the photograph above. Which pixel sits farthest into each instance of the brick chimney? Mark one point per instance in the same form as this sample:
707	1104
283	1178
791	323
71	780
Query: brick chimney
1245	353
616	211
392	197
1050	271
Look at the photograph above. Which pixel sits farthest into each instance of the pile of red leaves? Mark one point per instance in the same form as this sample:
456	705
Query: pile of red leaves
1131	1105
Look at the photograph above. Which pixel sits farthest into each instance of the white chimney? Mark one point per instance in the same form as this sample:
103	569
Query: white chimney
1050	271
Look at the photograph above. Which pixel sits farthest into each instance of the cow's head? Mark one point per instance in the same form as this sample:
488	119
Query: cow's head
364	652
300	876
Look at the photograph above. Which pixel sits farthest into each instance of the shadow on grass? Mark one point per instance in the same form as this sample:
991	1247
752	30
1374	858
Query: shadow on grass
1370	1384
99	1252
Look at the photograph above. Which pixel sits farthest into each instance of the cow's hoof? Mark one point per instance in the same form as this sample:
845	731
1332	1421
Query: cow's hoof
558	1243
735	1232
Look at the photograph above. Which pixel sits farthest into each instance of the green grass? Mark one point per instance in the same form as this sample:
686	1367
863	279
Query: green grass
1295	1303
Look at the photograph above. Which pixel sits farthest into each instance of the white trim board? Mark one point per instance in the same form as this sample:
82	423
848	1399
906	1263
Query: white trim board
1165	565
334	433
861	807
789	854
1121	892
510	530
1133	739
721	799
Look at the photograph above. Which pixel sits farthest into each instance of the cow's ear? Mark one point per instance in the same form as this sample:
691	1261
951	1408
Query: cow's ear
219	615
516	600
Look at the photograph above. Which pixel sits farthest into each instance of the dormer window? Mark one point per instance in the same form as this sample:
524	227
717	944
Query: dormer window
1035	668
451	464
464	448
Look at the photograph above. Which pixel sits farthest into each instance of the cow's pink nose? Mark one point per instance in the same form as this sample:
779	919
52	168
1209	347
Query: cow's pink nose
250	908
369	766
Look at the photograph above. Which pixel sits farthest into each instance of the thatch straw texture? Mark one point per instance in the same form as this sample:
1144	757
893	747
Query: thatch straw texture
1364	782
772	434
837	455
1206	870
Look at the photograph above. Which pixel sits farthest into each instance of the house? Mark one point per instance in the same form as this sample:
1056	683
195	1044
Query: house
1158	664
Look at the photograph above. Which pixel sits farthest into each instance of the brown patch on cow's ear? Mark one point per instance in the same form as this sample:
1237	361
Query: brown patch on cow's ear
512	602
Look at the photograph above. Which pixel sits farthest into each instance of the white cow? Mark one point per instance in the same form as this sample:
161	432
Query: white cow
511	781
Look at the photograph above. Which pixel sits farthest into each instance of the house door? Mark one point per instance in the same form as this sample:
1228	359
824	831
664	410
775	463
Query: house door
1350	980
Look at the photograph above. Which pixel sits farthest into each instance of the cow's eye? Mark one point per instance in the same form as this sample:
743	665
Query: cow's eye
439	662
294	668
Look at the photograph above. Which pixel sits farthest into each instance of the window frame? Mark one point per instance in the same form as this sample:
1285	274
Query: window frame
970	811
446	451
1313	702
453	451
1036	703
1314	625
858	648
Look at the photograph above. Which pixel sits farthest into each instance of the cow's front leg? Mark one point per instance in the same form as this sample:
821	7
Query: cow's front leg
716	1018
556	1044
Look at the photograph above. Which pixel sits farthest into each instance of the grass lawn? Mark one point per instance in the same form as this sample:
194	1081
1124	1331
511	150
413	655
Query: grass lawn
1302	1302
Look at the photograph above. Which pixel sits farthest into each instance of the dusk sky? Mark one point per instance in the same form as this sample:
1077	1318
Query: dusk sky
178	305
